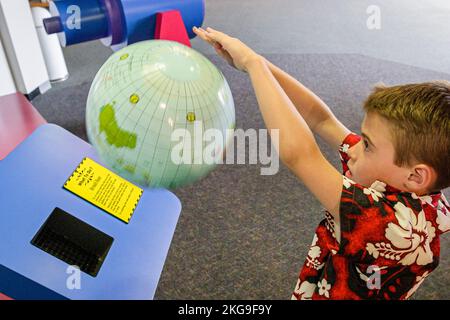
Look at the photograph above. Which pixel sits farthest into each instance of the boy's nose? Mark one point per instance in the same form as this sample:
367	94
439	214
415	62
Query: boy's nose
352	152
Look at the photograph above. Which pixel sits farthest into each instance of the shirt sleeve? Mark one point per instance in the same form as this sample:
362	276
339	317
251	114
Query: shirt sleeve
349	141
443	215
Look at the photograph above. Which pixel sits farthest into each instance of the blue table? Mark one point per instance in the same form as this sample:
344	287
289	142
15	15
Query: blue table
31	186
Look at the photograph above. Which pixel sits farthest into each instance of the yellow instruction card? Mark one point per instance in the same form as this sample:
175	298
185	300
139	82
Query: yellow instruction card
104	189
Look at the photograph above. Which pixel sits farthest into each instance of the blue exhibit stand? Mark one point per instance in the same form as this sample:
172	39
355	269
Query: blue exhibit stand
31	186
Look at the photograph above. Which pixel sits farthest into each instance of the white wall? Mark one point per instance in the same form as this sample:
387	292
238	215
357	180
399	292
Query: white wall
6	80
21	45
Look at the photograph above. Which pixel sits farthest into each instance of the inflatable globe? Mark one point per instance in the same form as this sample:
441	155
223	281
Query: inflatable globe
155	100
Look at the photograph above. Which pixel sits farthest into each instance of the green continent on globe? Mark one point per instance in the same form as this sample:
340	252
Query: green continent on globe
114	134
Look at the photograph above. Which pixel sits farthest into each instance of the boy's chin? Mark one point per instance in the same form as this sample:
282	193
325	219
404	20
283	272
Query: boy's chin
357	180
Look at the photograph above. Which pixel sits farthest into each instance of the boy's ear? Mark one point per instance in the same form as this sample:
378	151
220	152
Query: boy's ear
422	177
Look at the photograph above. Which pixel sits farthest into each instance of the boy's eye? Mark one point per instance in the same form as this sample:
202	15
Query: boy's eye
366	144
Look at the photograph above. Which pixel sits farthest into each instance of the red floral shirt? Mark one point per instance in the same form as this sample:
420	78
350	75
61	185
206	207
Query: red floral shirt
388	243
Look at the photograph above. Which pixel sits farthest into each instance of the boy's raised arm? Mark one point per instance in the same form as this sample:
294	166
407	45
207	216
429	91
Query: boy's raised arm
297	146
316	113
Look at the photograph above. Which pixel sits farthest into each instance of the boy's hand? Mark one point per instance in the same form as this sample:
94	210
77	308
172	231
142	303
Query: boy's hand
234	51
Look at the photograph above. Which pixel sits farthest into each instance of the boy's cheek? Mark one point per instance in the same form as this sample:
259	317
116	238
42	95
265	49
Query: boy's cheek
364	174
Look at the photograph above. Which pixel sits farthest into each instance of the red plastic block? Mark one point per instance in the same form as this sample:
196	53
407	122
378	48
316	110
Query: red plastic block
170	26
3	297
18	119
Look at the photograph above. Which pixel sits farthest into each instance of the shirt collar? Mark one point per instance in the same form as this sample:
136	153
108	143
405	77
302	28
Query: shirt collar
432	198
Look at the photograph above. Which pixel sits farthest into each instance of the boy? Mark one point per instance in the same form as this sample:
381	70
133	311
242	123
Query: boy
384	216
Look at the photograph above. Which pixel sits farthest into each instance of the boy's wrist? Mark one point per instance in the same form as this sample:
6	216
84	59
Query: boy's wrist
254	62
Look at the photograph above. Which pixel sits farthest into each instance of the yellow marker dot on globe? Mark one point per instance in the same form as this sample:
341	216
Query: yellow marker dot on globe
124	56
134	98
190	117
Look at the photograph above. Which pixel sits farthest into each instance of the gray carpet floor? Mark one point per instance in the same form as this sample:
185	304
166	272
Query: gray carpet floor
242	235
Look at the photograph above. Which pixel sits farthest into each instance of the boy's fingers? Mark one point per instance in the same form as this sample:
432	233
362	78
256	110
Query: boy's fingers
210	32
202	34
213	37
199	31
216	39
221	36
209	29
216	35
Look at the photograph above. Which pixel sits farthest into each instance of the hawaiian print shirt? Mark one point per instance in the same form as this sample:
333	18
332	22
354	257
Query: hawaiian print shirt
389	242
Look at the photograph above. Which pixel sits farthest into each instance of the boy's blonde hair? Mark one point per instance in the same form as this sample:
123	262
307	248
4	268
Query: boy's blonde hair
419	115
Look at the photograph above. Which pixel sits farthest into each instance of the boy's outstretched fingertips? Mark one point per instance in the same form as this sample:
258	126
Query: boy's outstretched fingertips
202	34
212	31
214	36
222	34
209	29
